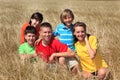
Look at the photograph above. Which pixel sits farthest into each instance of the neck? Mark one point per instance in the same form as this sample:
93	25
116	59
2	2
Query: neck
31	44
45	43
81	41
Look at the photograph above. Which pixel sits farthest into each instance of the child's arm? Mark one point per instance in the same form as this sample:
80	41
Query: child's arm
92	52
31	55
37	41
23	56
69	53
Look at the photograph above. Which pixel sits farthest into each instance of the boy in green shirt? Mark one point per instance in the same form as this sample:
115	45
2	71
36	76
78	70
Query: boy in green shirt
26	50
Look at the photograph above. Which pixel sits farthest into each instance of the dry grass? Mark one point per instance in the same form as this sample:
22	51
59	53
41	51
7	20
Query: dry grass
102	18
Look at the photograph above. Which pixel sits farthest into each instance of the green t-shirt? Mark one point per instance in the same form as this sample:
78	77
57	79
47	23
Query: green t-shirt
26	49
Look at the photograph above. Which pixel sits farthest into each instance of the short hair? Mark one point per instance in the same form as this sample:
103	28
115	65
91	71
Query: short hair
30	29
37	16
65	13
46	24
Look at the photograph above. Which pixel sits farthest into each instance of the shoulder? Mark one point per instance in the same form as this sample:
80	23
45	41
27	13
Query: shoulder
92	37
24	44
25	25
53	40
56	42
77	43
60	26
40	43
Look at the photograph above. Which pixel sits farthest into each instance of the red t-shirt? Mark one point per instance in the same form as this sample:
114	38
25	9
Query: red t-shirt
46	51
22	37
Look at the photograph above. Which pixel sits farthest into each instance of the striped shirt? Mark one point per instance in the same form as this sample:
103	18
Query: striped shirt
65	35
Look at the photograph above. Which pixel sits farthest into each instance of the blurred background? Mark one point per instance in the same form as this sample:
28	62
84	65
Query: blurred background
102	19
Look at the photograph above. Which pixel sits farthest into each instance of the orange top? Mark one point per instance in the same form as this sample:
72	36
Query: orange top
22	40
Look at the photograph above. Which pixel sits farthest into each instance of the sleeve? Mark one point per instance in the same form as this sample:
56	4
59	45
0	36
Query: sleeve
38	48
21	49
22	34
61	47
56	32
94	43
22	40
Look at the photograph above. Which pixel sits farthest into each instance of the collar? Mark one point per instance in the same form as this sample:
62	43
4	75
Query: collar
65	27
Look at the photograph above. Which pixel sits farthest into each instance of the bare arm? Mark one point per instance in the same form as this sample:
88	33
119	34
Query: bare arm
69	53
92	52
27	56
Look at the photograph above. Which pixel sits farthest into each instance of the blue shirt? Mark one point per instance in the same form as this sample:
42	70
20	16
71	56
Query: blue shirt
65	35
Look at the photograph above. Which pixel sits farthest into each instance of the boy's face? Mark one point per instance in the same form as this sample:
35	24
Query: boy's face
30	38
68	20
46	34
34	22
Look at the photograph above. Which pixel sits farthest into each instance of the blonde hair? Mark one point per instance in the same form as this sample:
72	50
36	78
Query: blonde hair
65	13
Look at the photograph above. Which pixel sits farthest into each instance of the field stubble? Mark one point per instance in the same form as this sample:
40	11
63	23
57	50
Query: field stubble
102	19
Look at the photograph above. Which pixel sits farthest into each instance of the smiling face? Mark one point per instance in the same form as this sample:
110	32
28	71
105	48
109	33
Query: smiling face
67	17
30	38
67	20
79	33
46	34
34	22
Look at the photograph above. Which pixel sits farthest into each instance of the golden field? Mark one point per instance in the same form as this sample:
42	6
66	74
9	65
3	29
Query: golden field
102	19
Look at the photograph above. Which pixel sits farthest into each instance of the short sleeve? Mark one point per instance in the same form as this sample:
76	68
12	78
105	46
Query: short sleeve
56	32
21	49
93	41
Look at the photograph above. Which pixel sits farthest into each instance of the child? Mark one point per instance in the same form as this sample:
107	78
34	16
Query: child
64	31
35	21
86	46
51	49
26	50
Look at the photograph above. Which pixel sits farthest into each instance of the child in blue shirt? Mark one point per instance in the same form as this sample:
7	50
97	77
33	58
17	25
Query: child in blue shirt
64	32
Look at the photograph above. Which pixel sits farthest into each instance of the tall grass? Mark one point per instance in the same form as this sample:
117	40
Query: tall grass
102	19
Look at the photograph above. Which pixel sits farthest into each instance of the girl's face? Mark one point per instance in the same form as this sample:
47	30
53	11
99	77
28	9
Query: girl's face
79	33
68	20
30	38
34	22
46	34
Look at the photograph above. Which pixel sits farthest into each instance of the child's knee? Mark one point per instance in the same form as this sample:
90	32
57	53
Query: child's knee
102	72
61	60
86	75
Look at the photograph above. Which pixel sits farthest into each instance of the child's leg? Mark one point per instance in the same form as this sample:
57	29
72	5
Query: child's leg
73	65
86	75
102	73
75	68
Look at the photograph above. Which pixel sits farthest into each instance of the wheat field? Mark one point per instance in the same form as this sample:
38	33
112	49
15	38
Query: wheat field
102	19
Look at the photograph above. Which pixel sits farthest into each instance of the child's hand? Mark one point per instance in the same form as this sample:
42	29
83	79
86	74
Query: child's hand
37	41
31	55
23	56
52	58
86	38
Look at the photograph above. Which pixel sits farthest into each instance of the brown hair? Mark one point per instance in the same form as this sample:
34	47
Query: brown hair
80	24
65	13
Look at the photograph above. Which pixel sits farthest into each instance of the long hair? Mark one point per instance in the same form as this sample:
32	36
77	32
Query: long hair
80	24
38	16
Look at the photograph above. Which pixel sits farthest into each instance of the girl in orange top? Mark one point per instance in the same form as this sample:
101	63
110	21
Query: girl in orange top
35	21
91	61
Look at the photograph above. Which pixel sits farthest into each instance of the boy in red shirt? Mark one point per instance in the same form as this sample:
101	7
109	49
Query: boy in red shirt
51	49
